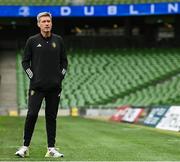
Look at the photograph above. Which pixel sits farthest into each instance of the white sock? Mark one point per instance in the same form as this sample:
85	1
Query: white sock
49	148
25	147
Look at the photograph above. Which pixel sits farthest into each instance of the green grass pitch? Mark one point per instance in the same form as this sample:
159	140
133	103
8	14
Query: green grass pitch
83	139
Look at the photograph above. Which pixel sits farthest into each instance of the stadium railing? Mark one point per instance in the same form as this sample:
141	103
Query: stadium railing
78	2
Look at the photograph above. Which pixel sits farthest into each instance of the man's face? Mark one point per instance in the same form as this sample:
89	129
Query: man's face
45	24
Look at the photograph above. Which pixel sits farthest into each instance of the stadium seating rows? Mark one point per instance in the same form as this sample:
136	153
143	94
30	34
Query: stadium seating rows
78	2
110	78
21	87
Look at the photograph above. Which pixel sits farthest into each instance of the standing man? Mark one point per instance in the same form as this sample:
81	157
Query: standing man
45	63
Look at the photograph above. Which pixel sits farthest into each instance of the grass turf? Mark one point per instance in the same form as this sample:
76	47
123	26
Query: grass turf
86	139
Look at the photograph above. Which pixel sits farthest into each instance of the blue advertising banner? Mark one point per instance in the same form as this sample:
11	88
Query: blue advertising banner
90	11
155	116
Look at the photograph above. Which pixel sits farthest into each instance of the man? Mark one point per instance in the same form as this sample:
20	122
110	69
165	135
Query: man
45	63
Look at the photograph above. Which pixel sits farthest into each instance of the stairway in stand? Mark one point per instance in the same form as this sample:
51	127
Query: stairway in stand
8	98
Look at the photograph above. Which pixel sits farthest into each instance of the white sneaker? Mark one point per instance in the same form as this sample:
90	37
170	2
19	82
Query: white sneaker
53	152
22	152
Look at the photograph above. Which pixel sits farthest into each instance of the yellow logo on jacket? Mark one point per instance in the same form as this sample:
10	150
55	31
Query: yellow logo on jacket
53	44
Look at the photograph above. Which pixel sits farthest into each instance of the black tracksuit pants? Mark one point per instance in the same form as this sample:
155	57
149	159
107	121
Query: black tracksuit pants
34	104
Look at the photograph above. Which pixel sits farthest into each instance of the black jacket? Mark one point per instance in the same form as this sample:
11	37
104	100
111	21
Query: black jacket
45	61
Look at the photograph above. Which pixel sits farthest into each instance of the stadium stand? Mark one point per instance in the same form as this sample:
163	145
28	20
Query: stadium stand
78	2
21	86
8	99
111	78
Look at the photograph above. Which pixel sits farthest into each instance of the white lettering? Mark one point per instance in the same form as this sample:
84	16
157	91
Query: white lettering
132	11
112	10
172	8
152	8
89	11
65	11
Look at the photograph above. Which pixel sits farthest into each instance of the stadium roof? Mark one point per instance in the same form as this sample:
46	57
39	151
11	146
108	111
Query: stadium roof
78	2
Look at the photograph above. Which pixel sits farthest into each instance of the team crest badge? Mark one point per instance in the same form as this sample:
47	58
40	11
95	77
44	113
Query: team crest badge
54	45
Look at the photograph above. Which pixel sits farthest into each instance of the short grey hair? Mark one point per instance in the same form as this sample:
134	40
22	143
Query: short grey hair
43	14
